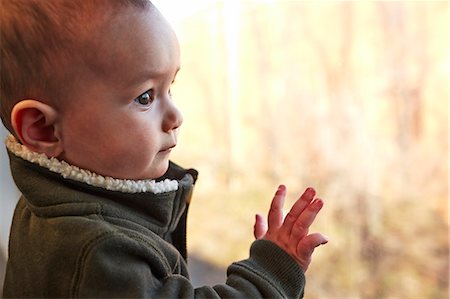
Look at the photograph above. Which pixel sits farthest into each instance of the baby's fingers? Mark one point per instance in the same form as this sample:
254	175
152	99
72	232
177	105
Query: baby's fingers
275	217
260	227
304	221
299	206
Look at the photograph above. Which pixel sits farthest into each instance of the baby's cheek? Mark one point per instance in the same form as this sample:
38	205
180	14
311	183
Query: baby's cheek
131	162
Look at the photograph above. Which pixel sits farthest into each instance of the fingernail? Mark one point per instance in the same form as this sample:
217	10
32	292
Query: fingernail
316	205
310	191
280	189
319	203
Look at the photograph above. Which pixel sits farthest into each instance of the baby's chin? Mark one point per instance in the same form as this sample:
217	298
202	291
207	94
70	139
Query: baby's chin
154	173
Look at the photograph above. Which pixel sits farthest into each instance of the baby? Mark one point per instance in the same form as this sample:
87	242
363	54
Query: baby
85	92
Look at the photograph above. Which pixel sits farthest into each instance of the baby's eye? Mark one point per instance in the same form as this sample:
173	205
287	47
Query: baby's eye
146	98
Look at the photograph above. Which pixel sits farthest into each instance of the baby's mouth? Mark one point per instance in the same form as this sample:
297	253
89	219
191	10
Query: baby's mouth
167	149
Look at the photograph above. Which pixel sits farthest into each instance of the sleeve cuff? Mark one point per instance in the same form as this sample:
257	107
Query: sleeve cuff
277	267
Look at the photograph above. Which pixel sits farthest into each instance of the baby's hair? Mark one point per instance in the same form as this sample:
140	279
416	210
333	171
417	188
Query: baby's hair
42	43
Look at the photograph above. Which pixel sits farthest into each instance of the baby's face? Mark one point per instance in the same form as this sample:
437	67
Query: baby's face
122	121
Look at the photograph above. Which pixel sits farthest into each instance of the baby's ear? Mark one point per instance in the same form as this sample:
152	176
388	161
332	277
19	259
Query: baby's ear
35	124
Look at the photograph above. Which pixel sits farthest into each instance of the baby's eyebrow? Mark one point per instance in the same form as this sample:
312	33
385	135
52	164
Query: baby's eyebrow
154	74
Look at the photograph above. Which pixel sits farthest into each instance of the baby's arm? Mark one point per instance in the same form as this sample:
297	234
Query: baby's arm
291	235
127	263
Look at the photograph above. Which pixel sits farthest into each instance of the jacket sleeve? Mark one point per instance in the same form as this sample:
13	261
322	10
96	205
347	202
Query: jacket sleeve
116	266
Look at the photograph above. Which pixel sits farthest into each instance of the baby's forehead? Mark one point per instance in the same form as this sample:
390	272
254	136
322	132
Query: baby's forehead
129	34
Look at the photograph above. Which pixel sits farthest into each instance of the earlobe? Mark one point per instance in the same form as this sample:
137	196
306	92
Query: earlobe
35	124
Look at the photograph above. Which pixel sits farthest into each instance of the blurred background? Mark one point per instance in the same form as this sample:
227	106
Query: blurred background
348	97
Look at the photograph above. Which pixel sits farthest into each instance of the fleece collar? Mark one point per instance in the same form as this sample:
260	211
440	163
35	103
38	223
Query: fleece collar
75	173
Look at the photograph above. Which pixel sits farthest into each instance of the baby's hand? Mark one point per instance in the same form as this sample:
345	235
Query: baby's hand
292	233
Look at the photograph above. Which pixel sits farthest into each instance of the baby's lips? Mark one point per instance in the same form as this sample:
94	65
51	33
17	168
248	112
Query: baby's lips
168	147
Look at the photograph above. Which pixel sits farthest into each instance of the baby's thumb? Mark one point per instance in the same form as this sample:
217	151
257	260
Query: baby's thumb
260	228
307	245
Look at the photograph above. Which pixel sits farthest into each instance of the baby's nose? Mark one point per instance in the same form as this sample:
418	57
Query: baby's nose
172	117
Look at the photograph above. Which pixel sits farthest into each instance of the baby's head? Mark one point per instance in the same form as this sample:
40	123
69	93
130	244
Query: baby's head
89	82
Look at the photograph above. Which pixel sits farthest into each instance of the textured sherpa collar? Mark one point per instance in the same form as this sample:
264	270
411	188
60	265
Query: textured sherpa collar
85	176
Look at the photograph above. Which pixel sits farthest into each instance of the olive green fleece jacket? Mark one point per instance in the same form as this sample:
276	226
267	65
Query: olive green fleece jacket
72	239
